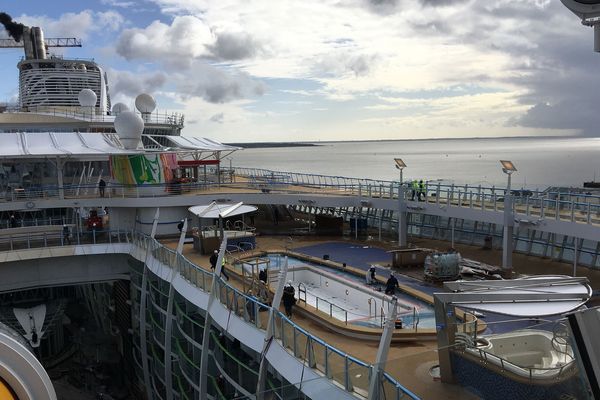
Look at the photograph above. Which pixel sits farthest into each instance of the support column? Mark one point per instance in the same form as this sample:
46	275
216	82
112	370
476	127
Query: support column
59	176
507	237
445	327
155	223
168	358
142	321
203	384
402	218
143	340
382	352
270	332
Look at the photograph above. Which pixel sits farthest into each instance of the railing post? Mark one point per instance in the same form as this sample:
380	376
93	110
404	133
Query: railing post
542	211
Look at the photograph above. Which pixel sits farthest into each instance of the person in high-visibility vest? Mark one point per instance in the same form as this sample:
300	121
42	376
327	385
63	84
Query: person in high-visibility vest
415	189
421	190
223	269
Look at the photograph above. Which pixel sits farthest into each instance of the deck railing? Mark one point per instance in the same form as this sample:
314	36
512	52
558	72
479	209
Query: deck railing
334	364
572	206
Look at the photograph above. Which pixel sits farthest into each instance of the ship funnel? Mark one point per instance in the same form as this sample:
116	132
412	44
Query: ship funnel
37	39
33	42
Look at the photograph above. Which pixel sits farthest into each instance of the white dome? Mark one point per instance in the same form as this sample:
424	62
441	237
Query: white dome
118	108
129	127
145	103
87	98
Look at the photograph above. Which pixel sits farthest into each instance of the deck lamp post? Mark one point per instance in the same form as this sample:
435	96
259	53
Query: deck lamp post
507	238
400	165
402	222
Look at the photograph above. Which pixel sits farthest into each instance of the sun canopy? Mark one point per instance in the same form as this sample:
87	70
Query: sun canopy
215	210
91	144
536	296
49	144
202	144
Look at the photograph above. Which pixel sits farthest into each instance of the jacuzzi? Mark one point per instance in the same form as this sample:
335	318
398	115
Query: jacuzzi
528	353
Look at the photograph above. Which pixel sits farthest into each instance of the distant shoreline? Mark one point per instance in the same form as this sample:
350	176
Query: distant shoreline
255	145
258	145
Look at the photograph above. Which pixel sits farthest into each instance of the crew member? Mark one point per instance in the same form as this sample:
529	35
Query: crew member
414	189
421	190
391	285
289	298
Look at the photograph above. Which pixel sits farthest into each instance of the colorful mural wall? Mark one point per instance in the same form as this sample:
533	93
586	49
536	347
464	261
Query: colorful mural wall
139	169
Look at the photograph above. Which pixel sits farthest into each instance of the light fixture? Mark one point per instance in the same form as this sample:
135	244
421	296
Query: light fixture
399	163
508	167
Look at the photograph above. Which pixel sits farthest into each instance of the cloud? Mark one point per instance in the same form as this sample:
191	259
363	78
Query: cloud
217	118
342	63
116	3
233	47
218	86
186	39
176	44
532	58
80	25
131	84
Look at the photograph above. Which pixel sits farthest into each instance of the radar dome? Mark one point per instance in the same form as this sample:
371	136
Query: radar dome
118	108
87	98
145	103
129	127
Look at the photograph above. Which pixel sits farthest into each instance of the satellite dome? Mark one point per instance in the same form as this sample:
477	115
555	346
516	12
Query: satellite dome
87	98
118	108
145	103
129	127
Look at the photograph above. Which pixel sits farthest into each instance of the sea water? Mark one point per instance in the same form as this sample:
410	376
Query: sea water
540	162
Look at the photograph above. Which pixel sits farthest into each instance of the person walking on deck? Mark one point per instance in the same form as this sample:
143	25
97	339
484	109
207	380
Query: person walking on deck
391	285
288	298
414	189
213	263
421	190
371	275
101	187
66	234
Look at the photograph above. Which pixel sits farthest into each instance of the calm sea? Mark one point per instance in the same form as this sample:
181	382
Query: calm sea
541	162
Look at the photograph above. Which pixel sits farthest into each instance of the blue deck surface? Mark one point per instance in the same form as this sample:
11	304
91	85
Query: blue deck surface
362	257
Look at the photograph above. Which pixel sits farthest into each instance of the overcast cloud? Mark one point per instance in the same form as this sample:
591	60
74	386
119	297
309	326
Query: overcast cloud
381	68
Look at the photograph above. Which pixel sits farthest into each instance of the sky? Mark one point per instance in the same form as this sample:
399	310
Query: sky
320	70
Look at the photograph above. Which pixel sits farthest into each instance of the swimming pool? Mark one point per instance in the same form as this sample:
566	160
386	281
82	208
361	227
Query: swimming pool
346	296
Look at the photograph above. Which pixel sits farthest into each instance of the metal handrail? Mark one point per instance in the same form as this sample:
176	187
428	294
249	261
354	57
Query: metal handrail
232	298
504	363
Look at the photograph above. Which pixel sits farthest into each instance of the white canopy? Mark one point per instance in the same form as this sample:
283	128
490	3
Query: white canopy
534	296
215	210
50	144
196	143
53	144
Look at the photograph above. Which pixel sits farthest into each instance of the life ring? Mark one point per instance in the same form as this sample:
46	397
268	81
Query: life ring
30	205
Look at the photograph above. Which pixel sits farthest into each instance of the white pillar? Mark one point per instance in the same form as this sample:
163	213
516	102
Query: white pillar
402	220
270	332
155	223
208	321
382	351
507	237
59	178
